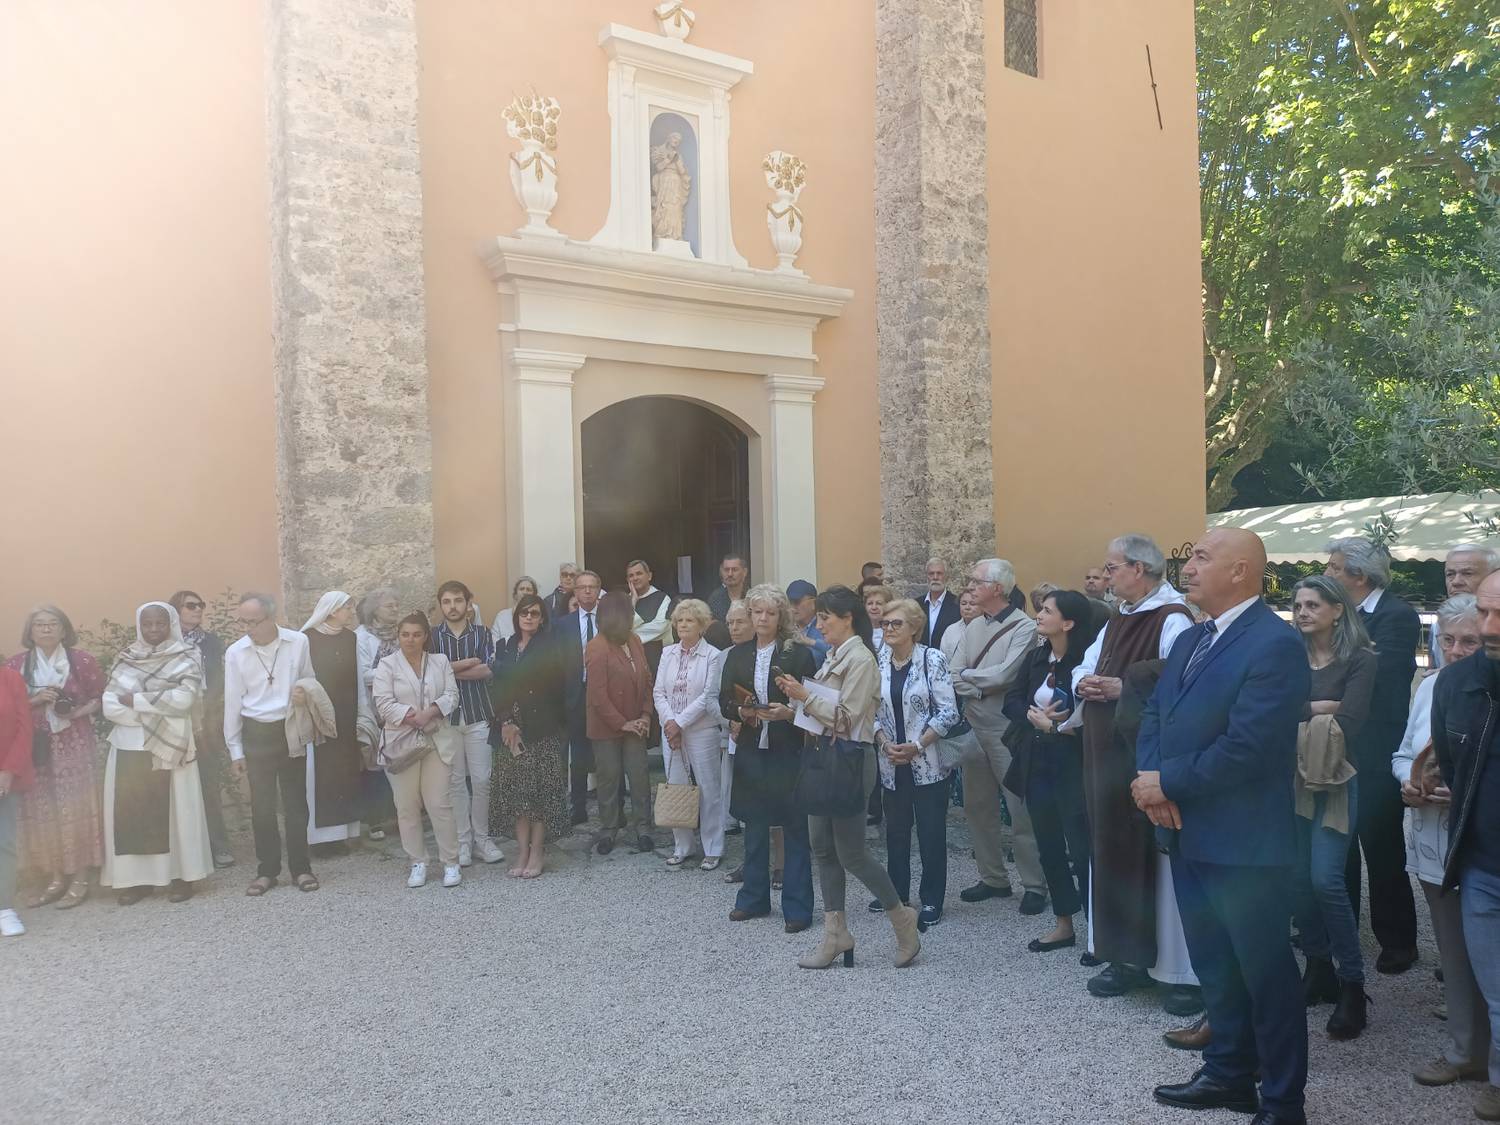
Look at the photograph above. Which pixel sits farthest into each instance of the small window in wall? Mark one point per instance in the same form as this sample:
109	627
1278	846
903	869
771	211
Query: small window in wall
1020	36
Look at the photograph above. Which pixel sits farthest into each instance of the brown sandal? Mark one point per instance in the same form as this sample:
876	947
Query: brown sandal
306	882
78	891
50	894
260	885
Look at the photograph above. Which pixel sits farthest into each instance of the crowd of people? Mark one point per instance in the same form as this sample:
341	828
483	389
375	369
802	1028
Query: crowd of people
1200	780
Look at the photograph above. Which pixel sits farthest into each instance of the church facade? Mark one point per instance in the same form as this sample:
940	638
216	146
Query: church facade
323	295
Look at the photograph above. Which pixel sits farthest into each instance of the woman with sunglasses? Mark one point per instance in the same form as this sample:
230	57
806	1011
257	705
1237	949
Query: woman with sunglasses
530	737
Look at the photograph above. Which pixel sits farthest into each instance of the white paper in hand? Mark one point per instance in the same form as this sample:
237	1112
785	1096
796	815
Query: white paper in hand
821	691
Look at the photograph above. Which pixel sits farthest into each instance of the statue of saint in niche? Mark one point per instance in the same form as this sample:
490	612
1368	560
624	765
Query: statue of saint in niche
670	184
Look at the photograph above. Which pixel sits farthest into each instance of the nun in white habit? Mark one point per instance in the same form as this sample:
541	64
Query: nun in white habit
155	827
334	765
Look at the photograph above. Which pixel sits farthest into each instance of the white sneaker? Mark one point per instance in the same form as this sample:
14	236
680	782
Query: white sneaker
466	855
452	877
489	851
10	924
418	876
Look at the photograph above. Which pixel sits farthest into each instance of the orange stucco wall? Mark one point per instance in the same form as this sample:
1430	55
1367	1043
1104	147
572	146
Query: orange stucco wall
136	403
1094	280
812	93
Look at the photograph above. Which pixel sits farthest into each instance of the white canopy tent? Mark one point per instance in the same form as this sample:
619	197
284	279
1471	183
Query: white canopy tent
1426	526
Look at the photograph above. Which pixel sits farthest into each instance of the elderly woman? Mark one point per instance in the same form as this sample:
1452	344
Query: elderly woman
335	765
530	735
686	696
767	755
504	626
917	707
379	613
618	691
415	692
60	813
155	827
16	776
1469	1054
1343	676
968	609
852	675
876	598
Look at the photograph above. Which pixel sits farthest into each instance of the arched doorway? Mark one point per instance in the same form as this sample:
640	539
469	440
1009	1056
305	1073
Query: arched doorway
664	479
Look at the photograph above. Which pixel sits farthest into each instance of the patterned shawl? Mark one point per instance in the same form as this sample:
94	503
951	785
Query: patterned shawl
168	680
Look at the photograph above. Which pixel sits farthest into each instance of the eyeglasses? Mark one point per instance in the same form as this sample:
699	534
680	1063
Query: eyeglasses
1110	568
48	626
193	605
893	623
252	624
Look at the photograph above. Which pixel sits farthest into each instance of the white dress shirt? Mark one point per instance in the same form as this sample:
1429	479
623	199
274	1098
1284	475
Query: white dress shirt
934	607
1227	618
763	687
258	682
1372	599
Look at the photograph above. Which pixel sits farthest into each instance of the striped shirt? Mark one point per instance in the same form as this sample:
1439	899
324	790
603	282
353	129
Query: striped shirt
473	695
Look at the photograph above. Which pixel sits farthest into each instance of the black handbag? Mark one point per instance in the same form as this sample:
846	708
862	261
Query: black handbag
831	778
41	747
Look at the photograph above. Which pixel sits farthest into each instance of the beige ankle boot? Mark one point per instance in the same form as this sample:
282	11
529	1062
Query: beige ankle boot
836	940
904	922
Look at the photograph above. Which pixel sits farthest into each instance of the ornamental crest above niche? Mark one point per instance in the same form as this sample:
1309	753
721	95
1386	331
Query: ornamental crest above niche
669	141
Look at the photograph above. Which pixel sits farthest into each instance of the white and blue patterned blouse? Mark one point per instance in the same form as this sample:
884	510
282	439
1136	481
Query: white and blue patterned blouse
927	700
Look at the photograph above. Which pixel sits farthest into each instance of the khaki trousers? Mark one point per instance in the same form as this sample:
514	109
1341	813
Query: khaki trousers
614	759
982	775
425	784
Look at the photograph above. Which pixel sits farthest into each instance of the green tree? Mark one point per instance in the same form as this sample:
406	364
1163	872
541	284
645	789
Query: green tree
1342	145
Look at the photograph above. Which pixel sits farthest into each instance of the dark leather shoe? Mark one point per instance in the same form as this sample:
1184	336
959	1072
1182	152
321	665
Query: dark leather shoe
738	915
1117	979
180	891
1266	1117
644	843
734	829
1193	1038
794	927
1089	961
1033	903
928	917
1320	985
604	844
132	895
1349	1016
982	890
1204	1092
876	907
1182	1000
1392	961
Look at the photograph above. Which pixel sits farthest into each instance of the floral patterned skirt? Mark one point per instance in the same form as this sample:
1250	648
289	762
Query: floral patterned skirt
533	785
61	815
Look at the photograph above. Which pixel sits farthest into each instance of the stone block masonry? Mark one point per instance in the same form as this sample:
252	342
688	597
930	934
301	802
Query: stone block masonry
932	300
354	449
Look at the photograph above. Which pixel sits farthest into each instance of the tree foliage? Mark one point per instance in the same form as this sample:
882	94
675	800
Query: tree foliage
1344	149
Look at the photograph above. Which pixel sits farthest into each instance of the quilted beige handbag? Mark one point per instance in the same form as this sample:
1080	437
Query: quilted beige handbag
676	805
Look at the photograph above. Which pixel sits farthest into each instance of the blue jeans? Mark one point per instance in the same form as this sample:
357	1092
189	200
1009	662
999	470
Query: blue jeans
1325	917
796	879
1479	898
10	815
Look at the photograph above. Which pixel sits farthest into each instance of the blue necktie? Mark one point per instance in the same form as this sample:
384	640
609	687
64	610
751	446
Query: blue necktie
1200	653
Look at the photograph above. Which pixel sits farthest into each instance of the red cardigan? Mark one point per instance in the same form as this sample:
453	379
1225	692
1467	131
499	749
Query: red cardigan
617	692
15	729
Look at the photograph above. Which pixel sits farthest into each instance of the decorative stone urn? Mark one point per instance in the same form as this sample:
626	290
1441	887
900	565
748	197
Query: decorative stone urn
532	120
785	175
675	21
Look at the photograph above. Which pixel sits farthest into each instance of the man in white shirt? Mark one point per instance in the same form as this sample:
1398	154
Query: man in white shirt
261	671
940	605
1467	565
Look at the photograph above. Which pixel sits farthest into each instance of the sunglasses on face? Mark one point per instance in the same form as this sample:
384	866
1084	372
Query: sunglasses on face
192	605
532	612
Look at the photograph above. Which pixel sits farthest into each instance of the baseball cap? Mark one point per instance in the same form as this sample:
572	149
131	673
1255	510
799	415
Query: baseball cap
800	589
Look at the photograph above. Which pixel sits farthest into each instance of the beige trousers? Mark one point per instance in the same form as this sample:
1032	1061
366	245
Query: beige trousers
425	784
982	776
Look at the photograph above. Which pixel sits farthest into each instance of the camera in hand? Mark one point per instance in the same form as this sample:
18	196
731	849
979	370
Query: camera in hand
63	705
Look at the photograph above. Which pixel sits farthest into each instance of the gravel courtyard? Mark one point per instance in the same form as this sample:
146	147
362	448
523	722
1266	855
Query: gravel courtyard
610	990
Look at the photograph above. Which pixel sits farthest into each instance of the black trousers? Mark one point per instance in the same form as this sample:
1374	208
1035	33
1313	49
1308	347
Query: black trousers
210	778
1393	910
578	756
272	769
1059	817
927	807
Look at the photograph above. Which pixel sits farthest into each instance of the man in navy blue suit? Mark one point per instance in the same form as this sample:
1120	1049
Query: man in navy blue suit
1216	755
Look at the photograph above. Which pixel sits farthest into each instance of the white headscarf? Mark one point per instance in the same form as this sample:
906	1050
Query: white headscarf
329	604
169	678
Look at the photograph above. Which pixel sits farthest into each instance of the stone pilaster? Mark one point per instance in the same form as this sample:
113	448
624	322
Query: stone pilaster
932	264
354	450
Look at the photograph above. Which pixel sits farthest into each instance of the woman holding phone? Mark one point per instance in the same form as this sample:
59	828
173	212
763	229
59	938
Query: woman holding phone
839	842
767	754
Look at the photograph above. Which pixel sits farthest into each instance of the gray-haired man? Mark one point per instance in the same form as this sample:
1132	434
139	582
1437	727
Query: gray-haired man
1467	565
986	662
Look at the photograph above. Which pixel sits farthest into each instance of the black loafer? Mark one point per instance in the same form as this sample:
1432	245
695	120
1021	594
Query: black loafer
1267	1117
1033	903
1393	961
928	917
644	843
982	890
1037	945
1203	1092
1182	1000
1118	979
604	845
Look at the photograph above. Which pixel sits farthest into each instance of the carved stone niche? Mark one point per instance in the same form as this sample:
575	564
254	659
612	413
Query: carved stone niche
669	146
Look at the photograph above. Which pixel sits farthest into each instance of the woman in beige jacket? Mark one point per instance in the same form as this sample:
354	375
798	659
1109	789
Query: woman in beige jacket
838	843
414	688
